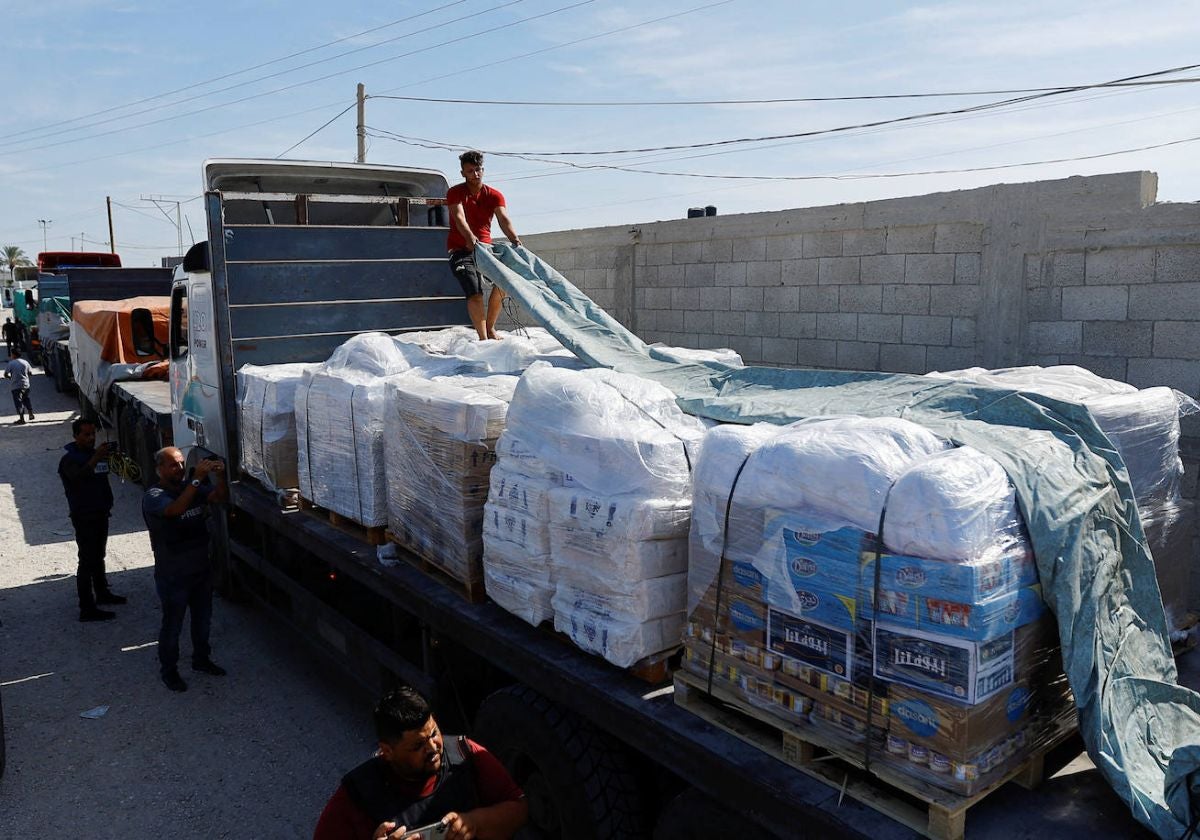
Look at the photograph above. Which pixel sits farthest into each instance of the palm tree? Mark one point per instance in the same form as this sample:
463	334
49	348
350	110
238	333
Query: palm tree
12	256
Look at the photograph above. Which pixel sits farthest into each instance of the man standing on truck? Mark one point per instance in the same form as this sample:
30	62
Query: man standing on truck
19	370
176	514
84	473
418	778
472	205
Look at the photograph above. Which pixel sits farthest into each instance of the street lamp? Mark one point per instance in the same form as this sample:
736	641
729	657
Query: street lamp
45	223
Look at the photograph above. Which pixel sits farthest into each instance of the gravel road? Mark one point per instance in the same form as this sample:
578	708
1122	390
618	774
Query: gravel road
253	754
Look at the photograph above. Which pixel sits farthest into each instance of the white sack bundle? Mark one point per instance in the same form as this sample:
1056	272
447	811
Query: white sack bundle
267	419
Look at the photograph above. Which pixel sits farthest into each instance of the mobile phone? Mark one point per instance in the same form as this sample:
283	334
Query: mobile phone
433	831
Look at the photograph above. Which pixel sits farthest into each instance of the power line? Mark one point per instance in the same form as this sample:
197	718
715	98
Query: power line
792	101
318	131
243	71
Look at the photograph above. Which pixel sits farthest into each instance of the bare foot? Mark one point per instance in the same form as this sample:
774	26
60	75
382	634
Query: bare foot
494	336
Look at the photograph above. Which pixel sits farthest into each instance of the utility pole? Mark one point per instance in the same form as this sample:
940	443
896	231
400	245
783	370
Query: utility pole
112	240
179	225
45	223
362	124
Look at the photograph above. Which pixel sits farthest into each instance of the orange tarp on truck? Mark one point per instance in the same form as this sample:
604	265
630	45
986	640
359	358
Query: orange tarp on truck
109	324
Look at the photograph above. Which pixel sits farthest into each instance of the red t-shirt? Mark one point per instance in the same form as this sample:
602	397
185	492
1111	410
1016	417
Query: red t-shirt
342	819
479	210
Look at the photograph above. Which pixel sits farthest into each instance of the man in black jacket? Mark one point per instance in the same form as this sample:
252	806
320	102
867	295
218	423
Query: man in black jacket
84	473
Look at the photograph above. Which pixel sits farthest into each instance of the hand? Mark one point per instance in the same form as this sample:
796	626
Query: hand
202	469
459	826
516	243
388	830
105	449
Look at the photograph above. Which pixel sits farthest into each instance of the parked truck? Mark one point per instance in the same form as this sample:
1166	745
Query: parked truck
302	256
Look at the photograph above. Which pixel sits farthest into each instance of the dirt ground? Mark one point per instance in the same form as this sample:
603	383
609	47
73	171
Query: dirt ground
253	754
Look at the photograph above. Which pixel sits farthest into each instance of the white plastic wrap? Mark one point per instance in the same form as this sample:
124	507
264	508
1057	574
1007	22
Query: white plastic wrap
439	438
635	601
724	355
267	419
622	643
517	569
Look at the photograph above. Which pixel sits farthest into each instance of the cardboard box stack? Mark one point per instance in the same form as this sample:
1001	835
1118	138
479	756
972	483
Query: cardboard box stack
930	647
267	420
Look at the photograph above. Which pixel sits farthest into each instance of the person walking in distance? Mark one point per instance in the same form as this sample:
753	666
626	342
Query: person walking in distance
176	514
83	469
10	335
19	371
472	205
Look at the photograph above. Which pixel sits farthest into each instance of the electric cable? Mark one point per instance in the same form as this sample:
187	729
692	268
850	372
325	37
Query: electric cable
318	131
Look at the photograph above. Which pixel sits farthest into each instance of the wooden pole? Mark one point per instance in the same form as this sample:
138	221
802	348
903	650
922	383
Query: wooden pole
112	240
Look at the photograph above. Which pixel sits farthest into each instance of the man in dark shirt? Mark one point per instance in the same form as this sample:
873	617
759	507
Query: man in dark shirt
84	473
417	778
176	514
10	335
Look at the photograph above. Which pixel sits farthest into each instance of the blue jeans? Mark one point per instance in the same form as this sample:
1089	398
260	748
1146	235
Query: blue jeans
178	595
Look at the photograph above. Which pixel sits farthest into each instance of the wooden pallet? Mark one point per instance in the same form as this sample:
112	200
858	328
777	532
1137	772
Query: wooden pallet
371	535
925	808
655	669
473	591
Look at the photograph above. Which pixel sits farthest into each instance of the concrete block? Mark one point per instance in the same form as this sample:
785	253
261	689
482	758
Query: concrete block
1118	338
683	253
1045	359
1054	337
781	299
1066	268
779	351
700	274
1095	303
838	326
823	244
959	301
749	347
882	269
958	237
730	274
917	239
950	358
748	299
927	329
645	275
716	298
818	298
860	298
935	269
858	355
902	358
906	300
861	243
837	271
1180	374
639	298
671	275
710	342
798	325
685	299
604	298
1110	367
1111	266
668	320
816	353
800	272
698	321
962	332
716	250
1043	304
765	324
656	253
789	247
887	329
764	274
1177	265
656	298
1174	340
729	323
1165	302
966	268
647	320
748	250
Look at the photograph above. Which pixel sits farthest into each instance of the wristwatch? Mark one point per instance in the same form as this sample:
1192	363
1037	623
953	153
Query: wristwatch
195	482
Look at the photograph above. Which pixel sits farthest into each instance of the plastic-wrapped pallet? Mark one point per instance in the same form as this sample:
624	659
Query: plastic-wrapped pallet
339	423
439	448
622	450
267	418
518	350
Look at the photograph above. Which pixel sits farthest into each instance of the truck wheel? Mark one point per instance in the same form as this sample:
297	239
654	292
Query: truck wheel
578	781
692	814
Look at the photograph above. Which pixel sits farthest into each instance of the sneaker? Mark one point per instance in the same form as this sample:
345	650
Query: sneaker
174	682
96	615
20	422
111	598
31	417
209	667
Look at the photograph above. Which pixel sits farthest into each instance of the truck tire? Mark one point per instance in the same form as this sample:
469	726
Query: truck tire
692	814
578	781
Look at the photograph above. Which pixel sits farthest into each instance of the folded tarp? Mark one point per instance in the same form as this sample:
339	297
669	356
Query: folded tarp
1141	728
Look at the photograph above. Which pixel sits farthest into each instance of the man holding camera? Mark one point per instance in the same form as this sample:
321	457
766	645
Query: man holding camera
84	473
176	514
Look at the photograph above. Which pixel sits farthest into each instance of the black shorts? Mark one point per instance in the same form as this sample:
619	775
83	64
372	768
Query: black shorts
462	263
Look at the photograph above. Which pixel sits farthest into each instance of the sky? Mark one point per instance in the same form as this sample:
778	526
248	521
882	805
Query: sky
126	99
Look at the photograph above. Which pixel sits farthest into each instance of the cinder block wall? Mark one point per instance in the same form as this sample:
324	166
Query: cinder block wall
1087	271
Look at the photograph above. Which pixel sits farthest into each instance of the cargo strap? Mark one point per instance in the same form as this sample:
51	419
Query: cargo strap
712	649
